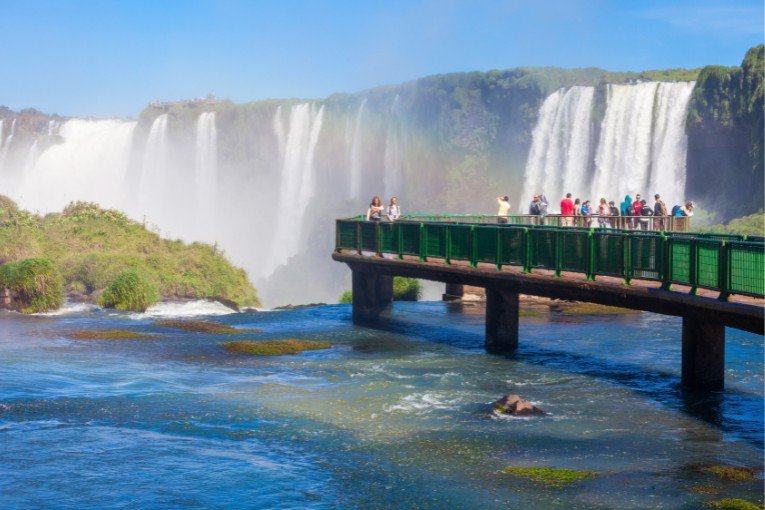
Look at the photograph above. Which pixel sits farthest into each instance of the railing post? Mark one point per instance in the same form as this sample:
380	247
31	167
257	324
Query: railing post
499	247
473	247
358	237
693	277
627	258
448	240
378	238
666	262
400	236
526	250
590	256
722	271
558	236
423	243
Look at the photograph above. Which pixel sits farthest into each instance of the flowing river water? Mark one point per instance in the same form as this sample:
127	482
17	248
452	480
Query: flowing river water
396	417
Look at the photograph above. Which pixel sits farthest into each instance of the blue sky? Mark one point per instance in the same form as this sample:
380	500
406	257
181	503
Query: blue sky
110	58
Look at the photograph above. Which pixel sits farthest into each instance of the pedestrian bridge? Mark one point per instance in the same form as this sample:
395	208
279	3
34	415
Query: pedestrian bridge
710	280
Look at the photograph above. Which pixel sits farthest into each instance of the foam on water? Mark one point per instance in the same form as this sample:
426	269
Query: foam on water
186	309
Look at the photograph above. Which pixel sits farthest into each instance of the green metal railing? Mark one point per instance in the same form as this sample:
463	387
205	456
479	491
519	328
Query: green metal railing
644	223
725	263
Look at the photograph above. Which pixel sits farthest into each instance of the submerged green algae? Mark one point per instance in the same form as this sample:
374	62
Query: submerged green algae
732	473
114	334
550	477
274	347
733	504
215	328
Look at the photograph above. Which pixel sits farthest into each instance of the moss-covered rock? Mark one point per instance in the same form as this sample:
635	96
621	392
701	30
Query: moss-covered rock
35	285
274	347
214	328
732	473
113	334
733	504
550	477
130	291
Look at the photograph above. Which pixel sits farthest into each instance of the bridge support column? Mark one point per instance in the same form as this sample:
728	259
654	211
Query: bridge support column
453	292
372	293
703	365
501	321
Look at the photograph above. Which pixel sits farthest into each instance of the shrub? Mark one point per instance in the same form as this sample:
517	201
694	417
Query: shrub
406	289
346	298
131	292
35	284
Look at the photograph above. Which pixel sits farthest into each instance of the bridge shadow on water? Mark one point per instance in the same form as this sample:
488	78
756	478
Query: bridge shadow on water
735	411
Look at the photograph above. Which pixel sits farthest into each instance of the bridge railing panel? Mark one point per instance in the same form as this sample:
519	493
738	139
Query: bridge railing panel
680	260
388	237
409	238
460	242
513	246
347	234
543	248
486	239
707	266
609	254
435	240
574	250
646	257
368	236
745	268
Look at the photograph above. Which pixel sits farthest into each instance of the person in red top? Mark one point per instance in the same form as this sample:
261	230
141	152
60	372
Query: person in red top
567	211
636	208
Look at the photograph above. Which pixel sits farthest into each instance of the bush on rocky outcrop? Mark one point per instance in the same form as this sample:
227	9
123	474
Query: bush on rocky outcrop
130	292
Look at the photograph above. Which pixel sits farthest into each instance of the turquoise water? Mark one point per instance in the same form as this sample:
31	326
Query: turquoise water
397	417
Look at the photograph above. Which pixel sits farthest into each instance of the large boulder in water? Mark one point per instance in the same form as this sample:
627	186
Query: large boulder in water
516	406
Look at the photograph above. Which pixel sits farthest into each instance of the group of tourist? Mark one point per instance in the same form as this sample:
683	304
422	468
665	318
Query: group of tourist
376	211
575	212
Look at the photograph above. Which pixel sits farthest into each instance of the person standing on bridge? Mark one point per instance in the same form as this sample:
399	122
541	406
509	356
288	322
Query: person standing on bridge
538	207
567	211
375	210
603	214
394	211
659	211
504	209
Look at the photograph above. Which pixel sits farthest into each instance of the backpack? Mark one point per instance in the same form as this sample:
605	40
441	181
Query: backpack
675	210
534	209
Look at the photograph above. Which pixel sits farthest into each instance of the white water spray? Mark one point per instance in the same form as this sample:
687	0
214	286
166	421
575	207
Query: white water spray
297	182
355	163
206	173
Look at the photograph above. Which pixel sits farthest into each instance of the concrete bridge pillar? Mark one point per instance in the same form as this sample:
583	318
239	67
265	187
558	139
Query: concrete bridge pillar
703	365
501	321
372	294
453	291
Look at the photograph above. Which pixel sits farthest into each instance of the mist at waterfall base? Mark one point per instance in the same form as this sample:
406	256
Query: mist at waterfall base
398	417
266	181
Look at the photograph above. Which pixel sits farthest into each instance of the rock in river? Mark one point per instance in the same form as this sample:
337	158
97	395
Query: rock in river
516	406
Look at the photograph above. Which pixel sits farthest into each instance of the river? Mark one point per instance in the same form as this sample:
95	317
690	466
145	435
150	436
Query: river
397	417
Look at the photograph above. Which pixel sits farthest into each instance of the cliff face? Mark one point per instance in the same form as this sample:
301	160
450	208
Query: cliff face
725	137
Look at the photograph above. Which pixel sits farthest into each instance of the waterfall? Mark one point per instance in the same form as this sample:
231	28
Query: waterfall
560	146
670	141
641	148
32	155
355	160
153	172
206	178
623	160
393	176
90	163
7	144
297	182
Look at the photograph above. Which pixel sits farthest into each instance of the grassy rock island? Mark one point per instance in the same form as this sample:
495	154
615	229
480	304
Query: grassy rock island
101	255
